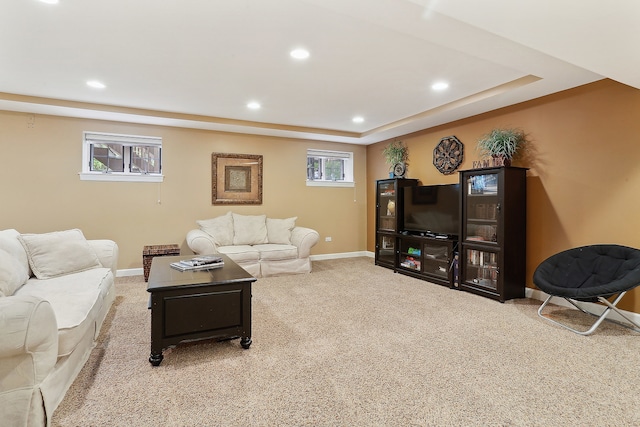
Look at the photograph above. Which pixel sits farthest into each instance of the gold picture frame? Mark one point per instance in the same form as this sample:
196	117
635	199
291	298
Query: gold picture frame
236	179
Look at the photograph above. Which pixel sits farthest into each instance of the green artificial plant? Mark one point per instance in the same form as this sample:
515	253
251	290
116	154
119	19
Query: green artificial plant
395	152
504	143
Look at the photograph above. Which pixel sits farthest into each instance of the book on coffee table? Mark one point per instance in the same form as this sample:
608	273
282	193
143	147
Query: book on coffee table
198	263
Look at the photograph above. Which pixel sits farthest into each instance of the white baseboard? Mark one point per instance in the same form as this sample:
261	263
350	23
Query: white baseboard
589	306
139	271
529	293
130	272
324	257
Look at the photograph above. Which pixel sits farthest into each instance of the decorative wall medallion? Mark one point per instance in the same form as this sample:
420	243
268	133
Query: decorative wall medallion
448	155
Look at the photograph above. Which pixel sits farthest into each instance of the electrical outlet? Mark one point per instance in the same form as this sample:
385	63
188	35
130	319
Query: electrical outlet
327	239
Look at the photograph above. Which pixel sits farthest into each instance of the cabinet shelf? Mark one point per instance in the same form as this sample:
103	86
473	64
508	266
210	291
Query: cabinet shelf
410	265
481	221
483	195
474	241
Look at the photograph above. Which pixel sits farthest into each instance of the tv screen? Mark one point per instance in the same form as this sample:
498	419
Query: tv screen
432	209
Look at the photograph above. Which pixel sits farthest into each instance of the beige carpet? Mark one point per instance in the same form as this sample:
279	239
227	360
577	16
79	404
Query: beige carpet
353	344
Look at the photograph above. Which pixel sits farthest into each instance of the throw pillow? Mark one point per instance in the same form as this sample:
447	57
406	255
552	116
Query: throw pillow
220	228
249	229
9	242
279	230
58	253
12	274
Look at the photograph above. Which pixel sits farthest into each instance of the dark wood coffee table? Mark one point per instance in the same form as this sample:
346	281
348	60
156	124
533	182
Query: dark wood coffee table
195	305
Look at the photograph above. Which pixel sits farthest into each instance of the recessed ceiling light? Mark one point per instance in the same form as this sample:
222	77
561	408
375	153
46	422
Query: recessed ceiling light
96	84
440	86
50	1
358	119
299	53
253	105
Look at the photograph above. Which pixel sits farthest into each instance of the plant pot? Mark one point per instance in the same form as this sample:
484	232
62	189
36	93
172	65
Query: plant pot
501	161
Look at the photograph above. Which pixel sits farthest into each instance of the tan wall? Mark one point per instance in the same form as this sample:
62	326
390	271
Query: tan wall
582	185
584	177
41	189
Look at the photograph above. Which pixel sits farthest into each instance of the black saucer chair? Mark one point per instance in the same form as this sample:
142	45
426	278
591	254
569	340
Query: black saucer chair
593	273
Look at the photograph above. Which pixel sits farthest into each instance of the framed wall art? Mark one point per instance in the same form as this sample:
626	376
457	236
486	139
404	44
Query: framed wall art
236	179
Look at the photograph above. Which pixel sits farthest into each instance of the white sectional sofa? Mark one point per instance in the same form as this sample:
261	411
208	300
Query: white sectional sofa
262	246
55	292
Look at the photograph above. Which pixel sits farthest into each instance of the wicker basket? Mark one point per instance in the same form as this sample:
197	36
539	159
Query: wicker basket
148	252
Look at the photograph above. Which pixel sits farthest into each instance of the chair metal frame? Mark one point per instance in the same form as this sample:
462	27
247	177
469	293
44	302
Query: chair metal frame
610	306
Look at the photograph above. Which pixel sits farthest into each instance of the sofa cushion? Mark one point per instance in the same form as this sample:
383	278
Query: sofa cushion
249	229
279	230
76	300
10	243
12	274
220	228
58	253
240	253
272	252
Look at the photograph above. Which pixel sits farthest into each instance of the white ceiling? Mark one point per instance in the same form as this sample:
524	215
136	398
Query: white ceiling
197	63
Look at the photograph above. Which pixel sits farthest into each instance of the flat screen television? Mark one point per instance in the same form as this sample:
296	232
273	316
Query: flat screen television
432	210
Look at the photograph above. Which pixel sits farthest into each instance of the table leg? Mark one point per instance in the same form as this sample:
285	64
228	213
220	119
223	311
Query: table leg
156	358
245	342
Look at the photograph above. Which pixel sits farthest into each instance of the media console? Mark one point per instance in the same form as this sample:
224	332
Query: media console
431	258
406	247
488	215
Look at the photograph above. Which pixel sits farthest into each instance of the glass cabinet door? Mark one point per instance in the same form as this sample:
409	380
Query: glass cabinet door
386	248
436	259
387	206
482	208
482	268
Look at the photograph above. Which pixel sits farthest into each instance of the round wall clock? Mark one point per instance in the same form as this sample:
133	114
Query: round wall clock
399	170
448	155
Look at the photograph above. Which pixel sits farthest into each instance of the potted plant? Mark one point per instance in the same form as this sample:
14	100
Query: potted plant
396	155
502	144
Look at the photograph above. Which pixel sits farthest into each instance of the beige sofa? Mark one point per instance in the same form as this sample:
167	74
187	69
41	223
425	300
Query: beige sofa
55	292
262	246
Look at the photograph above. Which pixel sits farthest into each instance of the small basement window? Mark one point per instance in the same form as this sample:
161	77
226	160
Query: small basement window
114	157
329	168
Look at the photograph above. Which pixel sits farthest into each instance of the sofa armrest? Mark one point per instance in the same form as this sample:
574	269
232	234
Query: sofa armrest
201	243
304	239
107	251
28	350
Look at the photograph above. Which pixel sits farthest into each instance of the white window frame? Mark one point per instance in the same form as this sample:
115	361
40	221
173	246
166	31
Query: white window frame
89	138
331	154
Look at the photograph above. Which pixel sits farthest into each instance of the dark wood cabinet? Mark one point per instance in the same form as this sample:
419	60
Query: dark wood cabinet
493	232
427	258
389	218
